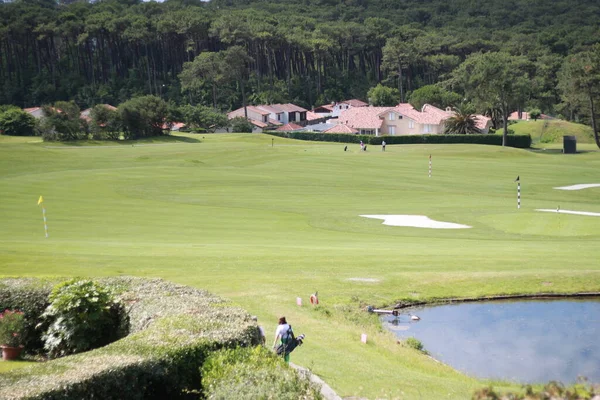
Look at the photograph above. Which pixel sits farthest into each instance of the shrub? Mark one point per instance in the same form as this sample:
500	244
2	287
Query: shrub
551	391
11	327
62	122
143	117
17	122
414	344
241	125
253	373
83	315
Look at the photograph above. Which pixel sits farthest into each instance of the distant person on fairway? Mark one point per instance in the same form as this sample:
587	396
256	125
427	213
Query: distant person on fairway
383	145
362	145
283	335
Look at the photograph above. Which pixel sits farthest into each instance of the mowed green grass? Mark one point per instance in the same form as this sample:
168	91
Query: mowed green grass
552	131
263	225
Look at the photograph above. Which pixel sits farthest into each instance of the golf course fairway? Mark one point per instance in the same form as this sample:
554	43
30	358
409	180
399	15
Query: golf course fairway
262	220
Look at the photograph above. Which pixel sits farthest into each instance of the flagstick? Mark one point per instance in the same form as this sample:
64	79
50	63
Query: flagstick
518	195
45	222
430	165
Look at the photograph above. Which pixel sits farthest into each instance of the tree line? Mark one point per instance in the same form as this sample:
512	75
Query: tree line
227	53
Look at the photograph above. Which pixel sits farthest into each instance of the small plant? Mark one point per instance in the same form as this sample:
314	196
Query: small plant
414	344
11	328
83	315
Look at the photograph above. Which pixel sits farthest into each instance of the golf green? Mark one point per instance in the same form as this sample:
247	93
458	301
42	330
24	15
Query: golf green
262	222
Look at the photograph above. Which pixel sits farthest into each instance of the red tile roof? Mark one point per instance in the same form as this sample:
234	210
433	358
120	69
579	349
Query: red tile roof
31	109
289	127
355	103
341	129
362	117
289	107
327	107
312	115
240	112
481	121
274	122
270	109
260	124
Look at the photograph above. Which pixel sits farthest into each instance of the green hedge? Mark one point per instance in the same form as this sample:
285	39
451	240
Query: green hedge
519	141
253	373
173	329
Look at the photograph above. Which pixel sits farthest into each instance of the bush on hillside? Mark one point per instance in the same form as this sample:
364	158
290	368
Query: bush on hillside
551	391
105	123
16	122
62	122
82	315
253	373
241	125
143	117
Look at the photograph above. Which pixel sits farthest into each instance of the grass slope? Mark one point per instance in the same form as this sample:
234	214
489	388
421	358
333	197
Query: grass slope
263	225
552	131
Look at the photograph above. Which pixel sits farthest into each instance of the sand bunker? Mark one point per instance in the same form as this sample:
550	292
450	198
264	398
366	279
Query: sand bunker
592	214
372	280
416	221
578	187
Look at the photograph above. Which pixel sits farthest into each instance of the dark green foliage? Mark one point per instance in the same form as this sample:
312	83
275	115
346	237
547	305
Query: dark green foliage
551	391
253	373
105	123
206	118
434	95
519	141
143	117
534	113
383	96
16	122
414	344
62	122
241	125
31	297
462	121
82	315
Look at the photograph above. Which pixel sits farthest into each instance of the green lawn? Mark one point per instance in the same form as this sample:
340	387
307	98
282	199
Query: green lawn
552	131
262	225
10	365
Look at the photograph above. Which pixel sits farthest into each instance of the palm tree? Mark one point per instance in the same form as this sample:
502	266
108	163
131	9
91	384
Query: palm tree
462	122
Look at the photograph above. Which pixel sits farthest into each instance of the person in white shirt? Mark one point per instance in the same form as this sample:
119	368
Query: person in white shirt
283	334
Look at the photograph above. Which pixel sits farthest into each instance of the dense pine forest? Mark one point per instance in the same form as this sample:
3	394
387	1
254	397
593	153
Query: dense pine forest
308	52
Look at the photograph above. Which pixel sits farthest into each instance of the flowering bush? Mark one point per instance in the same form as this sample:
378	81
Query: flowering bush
11	327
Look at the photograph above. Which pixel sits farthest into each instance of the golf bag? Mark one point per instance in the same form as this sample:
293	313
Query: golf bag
291	344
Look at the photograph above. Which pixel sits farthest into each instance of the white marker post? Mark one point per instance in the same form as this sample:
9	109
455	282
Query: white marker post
363	338
299	301
41	201
430	165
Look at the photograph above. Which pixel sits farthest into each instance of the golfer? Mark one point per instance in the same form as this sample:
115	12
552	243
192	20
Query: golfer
283	334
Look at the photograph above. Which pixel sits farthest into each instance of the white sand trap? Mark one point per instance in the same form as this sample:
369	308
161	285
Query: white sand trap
416	221
372	280
591	214
578	187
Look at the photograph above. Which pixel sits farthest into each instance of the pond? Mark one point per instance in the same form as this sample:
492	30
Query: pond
529	341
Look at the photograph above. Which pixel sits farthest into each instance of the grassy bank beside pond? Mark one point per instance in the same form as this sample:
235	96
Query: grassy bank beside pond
262	225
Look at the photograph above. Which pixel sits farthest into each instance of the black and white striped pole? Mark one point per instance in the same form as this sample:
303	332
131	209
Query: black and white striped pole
430	165
518	192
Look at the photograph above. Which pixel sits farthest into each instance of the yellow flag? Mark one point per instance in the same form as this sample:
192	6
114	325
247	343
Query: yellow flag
41	200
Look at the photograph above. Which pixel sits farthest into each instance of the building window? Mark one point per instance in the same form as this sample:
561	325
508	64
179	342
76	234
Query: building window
278	117
411	123
265	118
291	117
392	130
427	128
391	116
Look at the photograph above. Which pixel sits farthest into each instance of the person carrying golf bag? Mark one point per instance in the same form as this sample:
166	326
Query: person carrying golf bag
285	341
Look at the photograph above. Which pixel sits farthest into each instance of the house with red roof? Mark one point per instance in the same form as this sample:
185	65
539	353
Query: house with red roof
335	109
268	116
38	112
290	127
403	119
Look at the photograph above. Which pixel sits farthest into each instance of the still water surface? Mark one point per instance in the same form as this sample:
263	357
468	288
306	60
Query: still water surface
523	341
